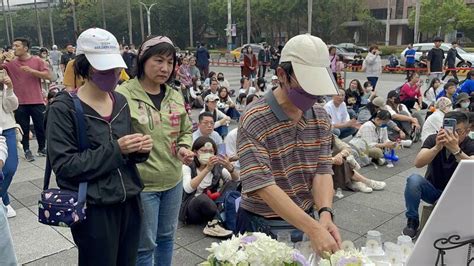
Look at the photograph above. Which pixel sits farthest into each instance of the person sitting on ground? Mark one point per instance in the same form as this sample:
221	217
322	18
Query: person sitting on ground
221	121
196	95
369	94
372	139
224	82
369	112
354	97
201	184
261	86
206	128
344	166
342	125
410	93
402	116
435	121
429	96
449	91
273	84
212	89
463	101
441	152
226	105
207	82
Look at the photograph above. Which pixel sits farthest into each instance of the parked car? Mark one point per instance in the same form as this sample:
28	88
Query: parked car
350	47
348	57
34	50
426	47
237	51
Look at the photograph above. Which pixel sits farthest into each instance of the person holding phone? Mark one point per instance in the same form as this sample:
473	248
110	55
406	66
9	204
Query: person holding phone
441	152
373	65
410	93
201	183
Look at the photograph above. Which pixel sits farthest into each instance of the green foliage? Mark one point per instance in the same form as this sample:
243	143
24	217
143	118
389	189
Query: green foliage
272	20
448	15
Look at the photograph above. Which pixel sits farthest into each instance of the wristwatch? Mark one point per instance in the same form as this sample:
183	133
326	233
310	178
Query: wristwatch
326	209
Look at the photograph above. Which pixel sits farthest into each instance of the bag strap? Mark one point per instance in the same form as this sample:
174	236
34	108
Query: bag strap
83	144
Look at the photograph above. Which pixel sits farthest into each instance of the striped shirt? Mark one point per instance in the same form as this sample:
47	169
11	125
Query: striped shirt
273	150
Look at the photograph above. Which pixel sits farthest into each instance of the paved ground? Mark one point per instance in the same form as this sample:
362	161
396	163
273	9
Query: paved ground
356	213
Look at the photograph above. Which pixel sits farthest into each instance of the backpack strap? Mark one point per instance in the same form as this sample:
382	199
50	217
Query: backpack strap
83	143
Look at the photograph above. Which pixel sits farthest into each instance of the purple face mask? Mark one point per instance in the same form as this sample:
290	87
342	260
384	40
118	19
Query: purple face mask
301	99
106	80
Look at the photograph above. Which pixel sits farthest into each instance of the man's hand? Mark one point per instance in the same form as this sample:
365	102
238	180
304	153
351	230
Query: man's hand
7	81
185	156
27	69
451	141
440	139
323	240
326	222
390	145
402	134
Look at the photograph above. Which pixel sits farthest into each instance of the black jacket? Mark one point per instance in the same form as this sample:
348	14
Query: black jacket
112	177
451	58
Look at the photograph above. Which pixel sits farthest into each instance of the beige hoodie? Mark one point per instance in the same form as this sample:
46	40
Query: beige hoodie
9	104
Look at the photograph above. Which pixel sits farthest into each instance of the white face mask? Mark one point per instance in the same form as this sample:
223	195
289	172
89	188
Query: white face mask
204	158
370	88
465	104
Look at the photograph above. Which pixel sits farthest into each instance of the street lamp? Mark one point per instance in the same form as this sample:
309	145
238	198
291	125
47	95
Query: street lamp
148	8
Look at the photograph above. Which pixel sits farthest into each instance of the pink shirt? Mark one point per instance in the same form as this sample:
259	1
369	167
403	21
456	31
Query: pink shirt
26	86
409	92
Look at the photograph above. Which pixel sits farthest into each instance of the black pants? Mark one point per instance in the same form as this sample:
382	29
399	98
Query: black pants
201	209
110	234
262	69
410	103
410	65
453	72
22	117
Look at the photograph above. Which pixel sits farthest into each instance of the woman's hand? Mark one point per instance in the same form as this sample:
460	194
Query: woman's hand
185	156
147	144
212	162
224	160
130	143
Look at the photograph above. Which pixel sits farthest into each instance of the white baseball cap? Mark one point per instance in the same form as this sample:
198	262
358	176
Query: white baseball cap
309	57
274	77
100	48
211	98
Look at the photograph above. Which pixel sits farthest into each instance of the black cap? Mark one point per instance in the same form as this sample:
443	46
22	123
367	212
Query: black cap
392	94
438	39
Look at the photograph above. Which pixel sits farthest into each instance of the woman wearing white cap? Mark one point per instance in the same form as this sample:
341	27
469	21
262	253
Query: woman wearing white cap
109	235
159	110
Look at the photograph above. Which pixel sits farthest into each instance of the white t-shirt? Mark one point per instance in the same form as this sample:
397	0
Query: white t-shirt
402	107
231	145
430	97
432	125
338	114
205	183
214	136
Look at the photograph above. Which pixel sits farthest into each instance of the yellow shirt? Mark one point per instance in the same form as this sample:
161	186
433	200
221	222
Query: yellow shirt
71	80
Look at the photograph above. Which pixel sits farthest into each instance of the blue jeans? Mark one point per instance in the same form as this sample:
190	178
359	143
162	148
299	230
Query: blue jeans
373	81
7	253
344	132
419	188
10	166
160	220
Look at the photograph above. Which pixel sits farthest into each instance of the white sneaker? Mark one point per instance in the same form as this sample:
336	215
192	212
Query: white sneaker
352	162
406	143
376	185
359	186
10	211
214	228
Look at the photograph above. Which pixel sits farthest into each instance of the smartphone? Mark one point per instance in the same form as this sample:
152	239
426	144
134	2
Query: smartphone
221	150
449	124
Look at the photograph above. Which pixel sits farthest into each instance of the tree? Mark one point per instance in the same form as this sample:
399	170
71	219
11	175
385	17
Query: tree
369	24
443	16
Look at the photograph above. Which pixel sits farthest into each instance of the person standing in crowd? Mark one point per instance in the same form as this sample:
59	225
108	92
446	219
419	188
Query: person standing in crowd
206	128
110	233
263	61
26	72
434	122
158	110
333	60
373	65
250	64
342	125
442	152
203	57
129	57
410	93
450	61
44	54
9	103
429	96
7	253
55	56
201	184
68	56
435	59
282	189
410	59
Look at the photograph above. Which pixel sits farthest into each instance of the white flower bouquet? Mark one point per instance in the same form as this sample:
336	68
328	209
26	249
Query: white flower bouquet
351	257
253	249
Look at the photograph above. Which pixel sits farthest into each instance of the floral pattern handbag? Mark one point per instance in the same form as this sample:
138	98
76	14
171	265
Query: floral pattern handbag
60	207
